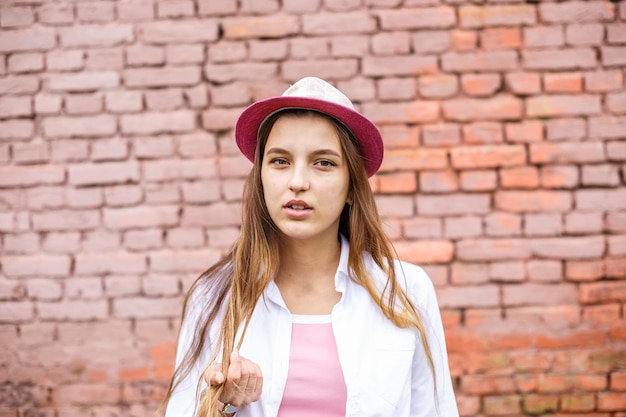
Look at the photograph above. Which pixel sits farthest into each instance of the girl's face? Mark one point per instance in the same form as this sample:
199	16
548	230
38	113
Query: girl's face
305	177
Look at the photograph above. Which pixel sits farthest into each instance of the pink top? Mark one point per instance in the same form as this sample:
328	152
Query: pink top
315	383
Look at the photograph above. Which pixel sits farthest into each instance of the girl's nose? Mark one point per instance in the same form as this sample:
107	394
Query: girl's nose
299	180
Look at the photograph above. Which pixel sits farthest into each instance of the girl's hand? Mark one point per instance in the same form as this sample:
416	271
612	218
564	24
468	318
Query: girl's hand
243	383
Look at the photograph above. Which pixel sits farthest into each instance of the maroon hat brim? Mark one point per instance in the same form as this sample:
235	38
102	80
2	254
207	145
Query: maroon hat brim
366	133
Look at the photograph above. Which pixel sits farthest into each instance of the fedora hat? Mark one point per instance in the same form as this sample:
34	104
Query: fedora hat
312	93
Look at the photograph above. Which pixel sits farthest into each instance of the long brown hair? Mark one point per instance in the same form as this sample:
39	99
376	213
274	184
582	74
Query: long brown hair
231	288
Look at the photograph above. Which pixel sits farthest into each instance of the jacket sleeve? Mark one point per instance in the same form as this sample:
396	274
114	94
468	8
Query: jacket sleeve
426	401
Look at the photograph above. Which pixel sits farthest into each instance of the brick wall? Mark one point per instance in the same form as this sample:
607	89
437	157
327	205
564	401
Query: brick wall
505	129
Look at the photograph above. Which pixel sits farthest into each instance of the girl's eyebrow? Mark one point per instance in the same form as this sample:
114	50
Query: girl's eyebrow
324	151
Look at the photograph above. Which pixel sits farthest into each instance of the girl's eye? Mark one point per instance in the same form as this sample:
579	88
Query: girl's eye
278	161
325	163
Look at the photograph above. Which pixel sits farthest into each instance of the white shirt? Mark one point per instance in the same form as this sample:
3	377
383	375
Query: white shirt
384	366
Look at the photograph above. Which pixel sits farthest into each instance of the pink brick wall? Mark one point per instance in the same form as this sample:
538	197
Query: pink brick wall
505	175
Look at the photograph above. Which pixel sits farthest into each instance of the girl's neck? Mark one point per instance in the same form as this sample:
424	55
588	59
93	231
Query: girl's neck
309	260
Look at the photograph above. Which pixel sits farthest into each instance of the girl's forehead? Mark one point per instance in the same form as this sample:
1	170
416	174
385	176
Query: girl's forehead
304	132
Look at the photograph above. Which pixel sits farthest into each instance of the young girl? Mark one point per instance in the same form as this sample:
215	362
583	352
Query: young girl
310	314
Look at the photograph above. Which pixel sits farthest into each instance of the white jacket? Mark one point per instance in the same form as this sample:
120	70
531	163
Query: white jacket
384	367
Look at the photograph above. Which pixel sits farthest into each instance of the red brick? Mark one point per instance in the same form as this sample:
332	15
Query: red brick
337	23
153	147
478	180
175	8
616	32
438	181
218	119
115	263
464	40
480	85
469	273
122	195
524	132
607	127
123	101
11	176
36	266
85	126
161	77
559	59
182	31
616	102
601	199
453	204
505	15
570	247
563	83
83	103
212	8
602	81
277	26
533	201
584	34
410	112
613	56
618	380
143	308
37	39
583	222
19	84
472	296
611	401
616	222
425	251
617	245
468	157
337	69
65	60
540	224
483	384
172	169
601	314
55	13
259	6
463	227
417	18
150	123
143	55
15	106
427	41
358	89
400	182
519	177
441	134
568	129
87	81
564	176
96	35
196	97
395	206
479	61
576	11
30	153
346	46
502	405
482	133
395	89
544	270
523	83
27	62
306	48
563	105
601	175
103	173
49	104
438	86
400	65
576	339
109	149
538	404
501	38
495	108
603	292
17	311
178	261
164	99
185	54
567	152
543	36
98	11
391	43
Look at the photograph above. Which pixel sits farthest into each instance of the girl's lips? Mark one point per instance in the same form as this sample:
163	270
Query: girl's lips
297	209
